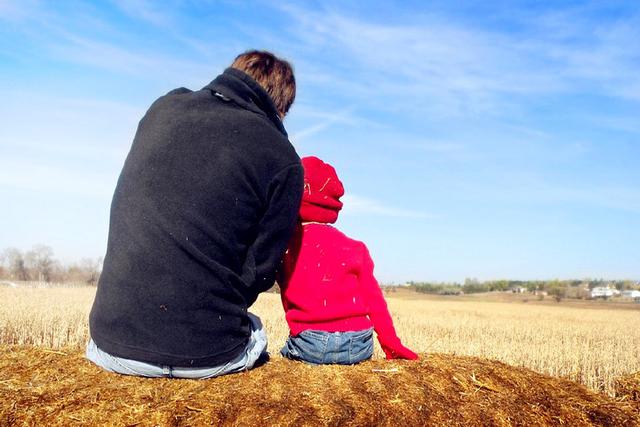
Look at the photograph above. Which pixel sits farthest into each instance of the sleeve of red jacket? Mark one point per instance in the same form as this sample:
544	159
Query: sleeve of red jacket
379	313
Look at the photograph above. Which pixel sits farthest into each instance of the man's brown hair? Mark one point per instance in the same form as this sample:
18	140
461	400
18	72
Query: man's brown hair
275	75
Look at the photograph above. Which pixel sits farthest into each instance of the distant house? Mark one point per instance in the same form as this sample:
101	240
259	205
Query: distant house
518	290
631	294
9	284
602	292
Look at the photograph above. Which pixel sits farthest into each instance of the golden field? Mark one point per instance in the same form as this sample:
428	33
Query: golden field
591	344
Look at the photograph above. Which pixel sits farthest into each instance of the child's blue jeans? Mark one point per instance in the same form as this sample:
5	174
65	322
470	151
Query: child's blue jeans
321	347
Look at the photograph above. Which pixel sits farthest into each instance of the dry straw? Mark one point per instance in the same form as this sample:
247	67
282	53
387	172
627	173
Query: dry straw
40	387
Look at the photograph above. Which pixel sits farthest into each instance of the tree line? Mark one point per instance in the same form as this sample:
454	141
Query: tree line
561	288
40	264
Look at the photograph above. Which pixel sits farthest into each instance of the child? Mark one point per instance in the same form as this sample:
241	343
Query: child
331	298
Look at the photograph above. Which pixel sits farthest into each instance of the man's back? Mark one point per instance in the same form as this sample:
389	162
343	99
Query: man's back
194	235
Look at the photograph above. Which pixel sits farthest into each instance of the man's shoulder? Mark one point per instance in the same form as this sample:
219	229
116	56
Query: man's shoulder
179	91
173	96
171	100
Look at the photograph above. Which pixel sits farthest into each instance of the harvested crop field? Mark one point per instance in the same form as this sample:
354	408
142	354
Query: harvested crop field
460	379
593	346
58	387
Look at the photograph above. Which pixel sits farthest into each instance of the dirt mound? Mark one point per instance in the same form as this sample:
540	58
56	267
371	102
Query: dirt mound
39	386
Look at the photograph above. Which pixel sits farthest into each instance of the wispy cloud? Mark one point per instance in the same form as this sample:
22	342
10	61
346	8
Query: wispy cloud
166	16
145	10
107	56
84	36
590	52
16	10
447	68
300	135
321	121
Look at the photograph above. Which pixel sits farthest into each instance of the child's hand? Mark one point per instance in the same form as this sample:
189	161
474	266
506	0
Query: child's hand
399	351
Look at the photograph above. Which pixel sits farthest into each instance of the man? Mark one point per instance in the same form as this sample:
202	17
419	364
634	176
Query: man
201	215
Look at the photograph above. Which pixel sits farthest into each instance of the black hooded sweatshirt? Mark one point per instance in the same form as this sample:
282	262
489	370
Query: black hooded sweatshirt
201	215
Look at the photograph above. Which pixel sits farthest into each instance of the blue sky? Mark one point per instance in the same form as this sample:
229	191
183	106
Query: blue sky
499	140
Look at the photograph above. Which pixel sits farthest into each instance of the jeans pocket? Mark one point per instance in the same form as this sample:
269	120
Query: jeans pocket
309	346
361	346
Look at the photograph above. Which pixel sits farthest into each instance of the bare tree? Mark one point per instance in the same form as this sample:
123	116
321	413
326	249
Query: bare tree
3	269
40	260
16	264
91	268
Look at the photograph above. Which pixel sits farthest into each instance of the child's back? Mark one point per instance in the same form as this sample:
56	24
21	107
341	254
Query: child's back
330	295
328	290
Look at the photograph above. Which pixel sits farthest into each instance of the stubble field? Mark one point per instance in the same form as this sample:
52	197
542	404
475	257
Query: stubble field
593	346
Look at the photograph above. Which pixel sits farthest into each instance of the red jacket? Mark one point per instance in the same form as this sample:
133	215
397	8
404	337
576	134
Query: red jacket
328	285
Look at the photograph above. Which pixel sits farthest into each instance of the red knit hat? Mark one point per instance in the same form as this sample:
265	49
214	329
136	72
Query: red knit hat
322	192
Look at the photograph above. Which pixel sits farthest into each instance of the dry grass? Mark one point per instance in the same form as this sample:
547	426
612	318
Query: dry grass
591	346
44	387
51	318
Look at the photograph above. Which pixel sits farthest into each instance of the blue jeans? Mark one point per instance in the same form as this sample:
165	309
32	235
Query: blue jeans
320	347
255	351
